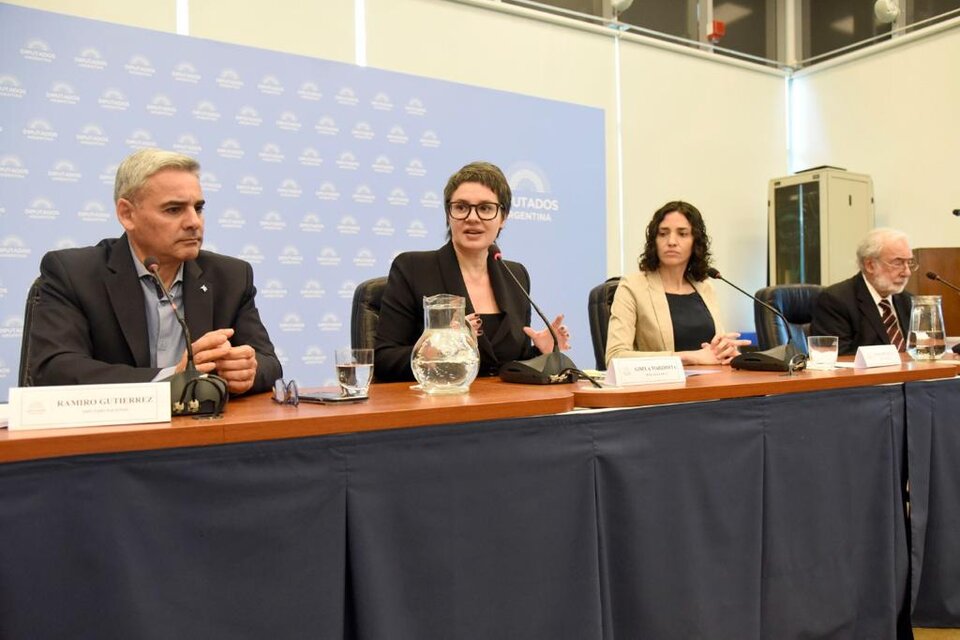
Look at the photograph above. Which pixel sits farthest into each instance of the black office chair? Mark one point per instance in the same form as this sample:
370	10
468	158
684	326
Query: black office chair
33	296
598	310
366	312
796	302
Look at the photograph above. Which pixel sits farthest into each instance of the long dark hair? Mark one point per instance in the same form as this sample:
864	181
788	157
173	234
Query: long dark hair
700	256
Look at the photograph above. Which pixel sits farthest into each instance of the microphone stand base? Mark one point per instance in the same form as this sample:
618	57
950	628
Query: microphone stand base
549	368
786	357
197	394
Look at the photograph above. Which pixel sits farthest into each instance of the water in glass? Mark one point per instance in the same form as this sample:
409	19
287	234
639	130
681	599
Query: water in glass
354	379
354	370
926	338
822	352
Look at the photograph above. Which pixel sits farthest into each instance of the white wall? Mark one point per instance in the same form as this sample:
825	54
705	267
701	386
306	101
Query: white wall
321	28
893	115
160	15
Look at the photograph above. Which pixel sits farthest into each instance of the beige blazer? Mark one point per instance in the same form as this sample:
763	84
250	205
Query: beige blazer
640	323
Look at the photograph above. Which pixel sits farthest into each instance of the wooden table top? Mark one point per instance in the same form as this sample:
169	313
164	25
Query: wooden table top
733	383
396	406
391	406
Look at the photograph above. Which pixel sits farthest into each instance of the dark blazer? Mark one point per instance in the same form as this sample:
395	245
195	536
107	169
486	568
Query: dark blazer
416	274
847	310
89	324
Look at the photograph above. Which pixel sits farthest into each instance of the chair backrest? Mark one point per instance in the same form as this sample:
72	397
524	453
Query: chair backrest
598	310
796	302
366	312
33	295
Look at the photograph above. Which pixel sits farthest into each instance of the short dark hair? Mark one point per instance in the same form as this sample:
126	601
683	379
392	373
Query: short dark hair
700	255
485	173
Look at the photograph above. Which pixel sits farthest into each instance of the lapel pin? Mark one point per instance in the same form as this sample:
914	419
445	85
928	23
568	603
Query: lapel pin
203	288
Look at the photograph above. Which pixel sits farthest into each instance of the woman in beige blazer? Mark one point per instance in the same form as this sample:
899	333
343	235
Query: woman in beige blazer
669	307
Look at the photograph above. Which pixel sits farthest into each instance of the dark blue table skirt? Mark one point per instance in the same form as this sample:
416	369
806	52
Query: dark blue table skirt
775	517
933	415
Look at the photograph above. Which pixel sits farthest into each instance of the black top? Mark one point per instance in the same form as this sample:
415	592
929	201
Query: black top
416	274
692	323
490	326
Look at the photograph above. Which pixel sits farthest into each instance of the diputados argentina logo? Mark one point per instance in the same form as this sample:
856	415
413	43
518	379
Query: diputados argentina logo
532	200
38	51
12	328
185	72
10	87
140	65
94	211
313	356
14	247
90	58
12	167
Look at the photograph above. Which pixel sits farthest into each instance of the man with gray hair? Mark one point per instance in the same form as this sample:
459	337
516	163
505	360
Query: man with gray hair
101	318
870	308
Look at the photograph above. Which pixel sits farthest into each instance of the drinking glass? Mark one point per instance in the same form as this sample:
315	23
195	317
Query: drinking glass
354	371
822	352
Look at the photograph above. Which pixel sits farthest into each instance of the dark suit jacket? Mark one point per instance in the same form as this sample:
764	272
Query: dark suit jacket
416	274
89	325
847	310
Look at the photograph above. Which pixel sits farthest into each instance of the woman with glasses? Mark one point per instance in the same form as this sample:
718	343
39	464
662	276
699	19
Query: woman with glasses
477	202
871	307
669	307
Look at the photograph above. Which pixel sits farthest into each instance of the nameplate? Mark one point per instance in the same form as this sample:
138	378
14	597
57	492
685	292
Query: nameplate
625	372
878	355
88	405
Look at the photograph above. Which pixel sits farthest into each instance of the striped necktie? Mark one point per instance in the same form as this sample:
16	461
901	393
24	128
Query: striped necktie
890	324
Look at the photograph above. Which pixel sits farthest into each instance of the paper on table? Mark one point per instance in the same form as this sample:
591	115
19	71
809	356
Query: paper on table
699	371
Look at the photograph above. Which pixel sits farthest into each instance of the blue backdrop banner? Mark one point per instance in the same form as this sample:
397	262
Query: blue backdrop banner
317	173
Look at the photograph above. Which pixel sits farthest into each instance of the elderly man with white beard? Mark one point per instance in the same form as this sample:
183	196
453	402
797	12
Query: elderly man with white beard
870	308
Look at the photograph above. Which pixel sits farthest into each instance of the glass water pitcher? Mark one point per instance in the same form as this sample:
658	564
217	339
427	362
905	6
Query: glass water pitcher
445	359
926	338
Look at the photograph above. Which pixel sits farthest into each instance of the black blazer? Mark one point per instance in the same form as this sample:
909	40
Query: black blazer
89	325
847	310
416	274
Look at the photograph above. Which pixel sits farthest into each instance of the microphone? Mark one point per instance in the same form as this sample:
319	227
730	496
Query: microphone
549	368
153	266
934	276
191	392
786	357
495	253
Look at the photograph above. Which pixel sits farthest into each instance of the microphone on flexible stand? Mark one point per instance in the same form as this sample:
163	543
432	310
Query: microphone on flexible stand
934	276
549	368
786	357
191	392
